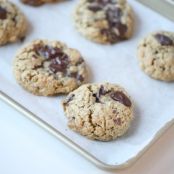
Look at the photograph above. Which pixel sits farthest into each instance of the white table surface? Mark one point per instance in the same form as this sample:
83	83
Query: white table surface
27	149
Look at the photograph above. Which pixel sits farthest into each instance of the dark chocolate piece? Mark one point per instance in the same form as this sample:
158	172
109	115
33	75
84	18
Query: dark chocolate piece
33	2
113	15
95	7
112	37
102	91
97	100
3	13
121	97
59	60
164	40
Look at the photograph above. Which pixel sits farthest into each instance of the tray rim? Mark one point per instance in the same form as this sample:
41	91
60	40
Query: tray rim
54	132
162	7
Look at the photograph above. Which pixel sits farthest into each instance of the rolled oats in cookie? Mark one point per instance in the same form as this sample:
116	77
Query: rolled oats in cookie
49	68
156	55
99	111
38	2
13	24
104	21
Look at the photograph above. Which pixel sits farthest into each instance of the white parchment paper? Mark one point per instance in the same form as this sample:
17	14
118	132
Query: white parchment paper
154	100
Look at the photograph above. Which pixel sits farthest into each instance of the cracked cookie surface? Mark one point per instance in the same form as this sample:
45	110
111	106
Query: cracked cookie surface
99	111
49	68
38	2
104	21
13	24
156	55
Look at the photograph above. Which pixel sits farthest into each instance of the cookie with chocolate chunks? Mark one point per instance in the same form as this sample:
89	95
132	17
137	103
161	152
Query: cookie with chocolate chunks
13	24
99	111
104	21
49	68
156	55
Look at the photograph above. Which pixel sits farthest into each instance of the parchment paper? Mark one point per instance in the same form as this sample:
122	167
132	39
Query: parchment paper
154	100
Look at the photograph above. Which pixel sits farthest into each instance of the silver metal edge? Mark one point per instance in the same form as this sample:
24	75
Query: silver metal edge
162	7
4	97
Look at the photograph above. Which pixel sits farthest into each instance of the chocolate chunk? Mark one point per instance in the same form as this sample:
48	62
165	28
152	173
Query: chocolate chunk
122	28
102	91
95	7
59	60
76	76
3	13
114	19
97	100
113	15
33	2
121	97
117	121
73	74
111	35
59	64
48	52
163	40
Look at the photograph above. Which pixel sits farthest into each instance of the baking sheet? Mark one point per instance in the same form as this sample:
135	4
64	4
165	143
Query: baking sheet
116	64
164	7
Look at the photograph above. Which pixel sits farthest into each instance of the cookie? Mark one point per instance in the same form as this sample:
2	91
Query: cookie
104	21
38	2
13	24
99	111
156	55
49	68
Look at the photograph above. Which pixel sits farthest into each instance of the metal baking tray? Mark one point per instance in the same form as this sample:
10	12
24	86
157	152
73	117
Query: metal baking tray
164	7
154	111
